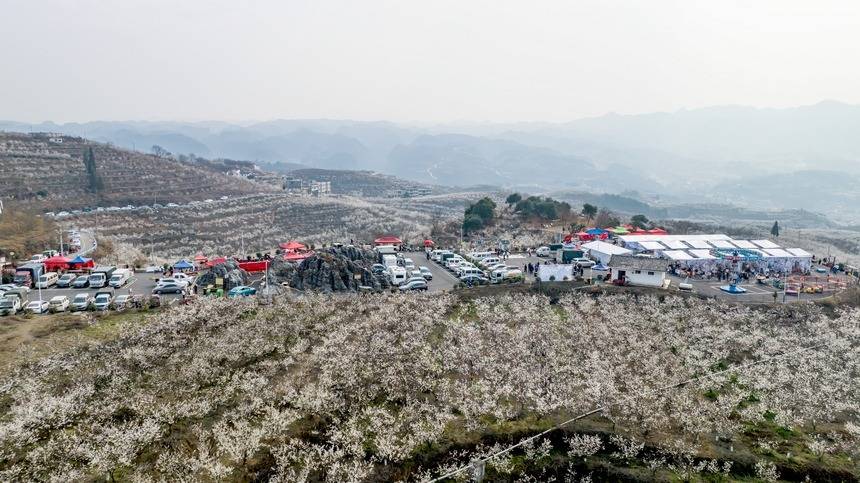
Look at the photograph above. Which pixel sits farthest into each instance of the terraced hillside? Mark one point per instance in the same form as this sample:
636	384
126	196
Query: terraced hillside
49	170
257	222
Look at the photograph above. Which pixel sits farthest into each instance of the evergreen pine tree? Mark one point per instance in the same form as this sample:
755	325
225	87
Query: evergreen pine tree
95	181
775	230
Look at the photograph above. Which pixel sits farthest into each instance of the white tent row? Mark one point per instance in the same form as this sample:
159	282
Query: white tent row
603	251
684	242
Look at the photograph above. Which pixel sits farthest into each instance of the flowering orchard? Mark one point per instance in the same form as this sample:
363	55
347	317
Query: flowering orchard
408	388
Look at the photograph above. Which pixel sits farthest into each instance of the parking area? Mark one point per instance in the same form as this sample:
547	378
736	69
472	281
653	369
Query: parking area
755	292
140	284
443	280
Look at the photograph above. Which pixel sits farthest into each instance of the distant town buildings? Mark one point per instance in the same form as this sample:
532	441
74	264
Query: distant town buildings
411	192
306	187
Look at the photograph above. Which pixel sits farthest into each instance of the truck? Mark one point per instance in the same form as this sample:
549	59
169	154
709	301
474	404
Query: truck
28	274
13	301
386	250
120	277
100	275
396	275
389	260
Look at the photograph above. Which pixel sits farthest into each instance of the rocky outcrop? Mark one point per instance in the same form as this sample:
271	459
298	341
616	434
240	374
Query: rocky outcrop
335	269
231	273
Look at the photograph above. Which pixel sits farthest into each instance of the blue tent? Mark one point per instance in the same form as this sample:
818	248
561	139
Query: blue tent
596	231
183	265
79	259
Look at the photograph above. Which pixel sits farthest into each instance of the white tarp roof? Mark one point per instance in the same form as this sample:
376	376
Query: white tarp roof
703	254
652	245
604	247
675	244
766	244
778	253
744	244
799	252
699	244
665	238
722	244
678	255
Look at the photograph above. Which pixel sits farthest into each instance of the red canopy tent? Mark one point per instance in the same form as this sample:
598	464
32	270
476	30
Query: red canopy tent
428	243
639	231
200	258
292	245
657	231
297	257
387	240
216	261
56	263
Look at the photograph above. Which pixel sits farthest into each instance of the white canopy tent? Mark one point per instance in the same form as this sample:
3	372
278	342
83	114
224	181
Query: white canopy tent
678	255
602	251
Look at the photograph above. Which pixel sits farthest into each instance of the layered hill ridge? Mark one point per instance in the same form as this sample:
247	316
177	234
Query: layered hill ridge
49	170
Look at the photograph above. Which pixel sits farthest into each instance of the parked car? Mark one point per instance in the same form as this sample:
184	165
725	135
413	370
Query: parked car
37	307
83	281
377	269
414	285
426	273
241	291
155	300
416	278
474	280
583	262
81	302
66	280
168	287
121	302
47	280
60	303
154	269
542	251
102	300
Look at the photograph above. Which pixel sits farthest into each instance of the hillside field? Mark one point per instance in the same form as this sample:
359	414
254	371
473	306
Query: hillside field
408	388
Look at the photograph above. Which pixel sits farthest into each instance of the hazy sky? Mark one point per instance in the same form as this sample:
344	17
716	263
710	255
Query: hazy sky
435	60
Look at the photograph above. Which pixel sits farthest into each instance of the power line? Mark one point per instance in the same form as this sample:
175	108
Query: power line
481	461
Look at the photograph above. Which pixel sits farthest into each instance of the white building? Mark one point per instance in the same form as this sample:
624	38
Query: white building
638	270
602	251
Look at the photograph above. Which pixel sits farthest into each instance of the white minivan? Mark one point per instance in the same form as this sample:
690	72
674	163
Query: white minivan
47	280
489	261
120	277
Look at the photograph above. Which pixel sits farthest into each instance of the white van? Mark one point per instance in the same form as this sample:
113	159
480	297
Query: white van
489	261
120	277
481	255
47	280
471	271
396	275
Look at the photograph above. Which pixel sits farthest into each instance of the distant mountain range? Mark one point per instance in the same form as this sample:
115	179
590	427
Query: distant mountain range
710	154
